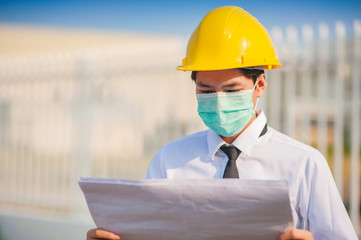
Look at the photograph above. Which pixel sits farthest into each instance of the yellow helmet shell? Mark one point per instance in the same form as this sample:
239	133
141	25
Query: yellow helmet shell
229	37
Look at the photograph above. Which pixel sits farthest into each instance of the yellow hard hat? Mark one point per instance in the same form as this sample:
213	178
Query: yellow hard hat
229	37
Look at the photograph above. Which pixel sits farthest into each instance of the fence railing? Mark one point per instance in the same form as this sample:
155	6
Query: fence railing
105	112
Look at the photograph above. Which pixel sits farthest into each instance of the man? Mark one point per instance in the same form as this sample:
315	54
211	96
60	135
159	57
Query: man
227	54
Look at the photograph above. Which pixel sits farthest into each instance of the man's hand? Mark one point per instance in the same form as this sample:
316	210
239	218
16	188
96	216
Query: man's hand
295	234
291	234
97	233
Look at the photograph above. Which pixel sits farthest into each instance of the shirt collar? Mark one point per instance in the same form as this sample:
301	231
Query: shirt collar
214	143
244	142
249	137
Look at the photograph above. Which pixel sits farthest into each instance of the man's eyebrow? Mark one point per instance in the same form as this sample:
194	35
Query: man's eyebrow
230	85
200	84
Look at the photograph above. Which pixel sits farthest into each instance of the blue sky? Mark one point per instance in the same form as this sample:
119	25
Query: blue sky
175	17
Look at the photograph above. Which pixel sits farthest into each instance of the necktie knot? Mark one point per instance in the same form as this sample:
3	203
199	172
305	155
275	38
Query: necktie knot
232	153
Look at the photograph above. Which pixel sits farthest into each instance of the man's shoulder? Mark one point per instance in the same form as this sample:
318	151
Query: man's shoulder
286	141
177	153
191	140
183	149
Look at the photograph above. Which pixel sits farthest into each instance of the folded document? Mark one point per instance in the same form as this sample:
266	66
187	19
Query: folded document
207	209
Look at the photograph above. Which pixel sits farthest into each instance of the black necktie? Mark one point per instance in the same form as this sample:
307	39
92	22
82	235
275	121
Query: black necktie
232	153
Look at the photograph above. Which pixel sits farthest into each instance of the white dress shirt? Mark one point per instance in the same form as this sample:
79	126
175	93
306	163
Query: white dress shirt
315	202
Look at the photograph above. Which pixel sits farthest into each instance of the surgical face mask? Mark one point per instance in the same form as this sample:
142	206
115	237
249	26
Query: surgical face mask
226	113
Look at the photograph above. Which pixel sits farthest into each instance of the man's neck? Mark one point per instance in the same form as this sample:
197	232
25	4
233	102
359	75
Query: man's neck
230	140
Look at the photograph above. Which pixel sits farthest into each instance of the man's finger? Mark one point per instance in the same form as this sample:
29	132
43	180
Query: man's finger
295	234
97	233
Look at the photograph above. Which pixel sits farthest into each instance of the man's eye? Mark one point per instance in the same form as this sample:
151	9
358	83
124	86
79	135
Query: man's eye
206	91
232	90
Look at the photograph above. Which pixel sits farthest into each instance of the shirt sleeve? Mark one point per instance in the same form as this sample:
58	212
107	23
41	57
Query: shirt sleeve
321	206
156	169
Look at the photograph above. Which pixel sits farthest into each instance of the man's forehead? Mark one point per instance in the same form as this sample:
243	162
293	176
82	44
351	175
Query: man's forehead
230	82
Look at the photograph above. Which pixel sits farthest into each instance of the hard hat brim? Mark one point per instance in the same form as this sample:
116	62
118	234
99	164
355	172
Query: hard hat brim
262	67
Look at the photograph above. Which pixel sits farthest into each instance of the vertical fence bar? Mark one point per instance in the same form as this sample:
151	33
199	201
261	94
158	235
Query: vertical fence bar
322	87
29	189
5	118
45	156
290	81
355	129
81	159
339	104
29	158
14	155
274	98
67	95
21	155
36	142
306	76
275	88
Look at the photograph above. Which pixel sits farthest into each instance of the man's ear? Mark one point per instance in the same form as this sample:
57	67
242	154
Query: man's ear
261	85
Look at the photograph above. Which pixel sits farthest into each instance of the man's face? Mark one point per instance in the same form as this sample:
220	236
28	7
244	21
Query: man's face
229	80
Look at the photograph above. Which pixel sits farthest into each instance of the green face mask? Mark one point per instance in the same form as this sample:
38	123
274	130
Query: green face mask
226	113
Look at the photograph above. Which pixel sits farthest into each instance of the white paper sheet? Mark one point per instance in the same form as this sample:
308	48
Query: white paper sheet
209	209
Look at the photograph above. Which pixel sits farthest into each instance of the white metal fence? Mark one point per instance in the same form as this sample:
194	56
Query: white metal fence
105	112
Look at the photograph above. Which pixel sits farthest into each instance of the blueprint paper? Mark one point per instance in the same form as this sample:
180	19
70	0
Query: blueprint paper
207	209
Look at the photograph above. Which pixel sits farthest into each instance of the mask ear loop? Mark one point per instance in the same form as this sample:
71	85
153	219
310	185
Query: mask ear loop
255	84
257	100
